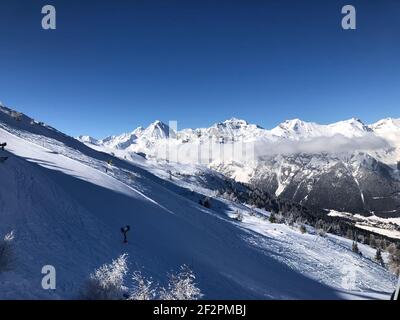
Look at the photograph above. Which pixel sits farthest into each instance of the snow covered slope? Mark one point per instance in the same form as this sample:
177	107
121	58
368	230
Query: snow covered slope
66	204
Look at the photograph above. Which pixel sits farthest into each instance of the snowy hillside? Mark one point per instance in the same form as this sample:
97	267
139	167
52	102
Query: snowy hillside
66	203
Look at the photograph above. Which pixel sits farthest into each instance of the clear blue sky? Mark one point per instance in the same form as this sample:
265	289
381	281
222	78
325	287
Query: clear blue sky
114	65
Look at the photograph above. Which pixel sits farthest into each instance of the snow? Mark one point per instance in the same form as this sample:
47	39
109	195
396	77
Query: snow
372	223
389	233
66	210
292	129
381	220
281	186
297	129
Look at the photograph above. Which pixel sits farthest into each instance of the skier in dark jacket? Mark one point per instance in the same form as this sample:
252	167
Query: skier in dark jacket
125	230
2	145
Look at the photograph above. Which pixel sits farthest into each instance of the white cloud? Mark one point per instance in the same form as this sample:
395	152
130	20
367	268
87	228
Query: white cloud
334	144
238	151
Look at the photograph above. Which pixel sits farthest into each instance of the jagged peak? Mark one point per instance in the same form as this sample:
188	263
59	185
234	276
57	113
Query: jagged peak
292	122
387	121
158	123
158	130
236	123
138	131
353	120
87	139
236	120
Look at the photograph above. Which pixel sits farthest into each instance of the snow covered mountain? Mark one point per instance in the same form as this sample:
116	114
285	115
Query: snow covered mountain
235	129
297	129
313	164
240	130
66	203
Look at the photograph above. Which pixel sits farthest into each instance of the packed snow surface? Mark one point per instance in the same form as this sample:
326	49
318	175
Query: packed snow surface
67	202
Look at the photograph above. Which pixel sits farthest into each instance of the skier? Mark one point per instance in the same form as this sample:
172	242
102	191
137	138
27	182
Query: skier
125	230
2	145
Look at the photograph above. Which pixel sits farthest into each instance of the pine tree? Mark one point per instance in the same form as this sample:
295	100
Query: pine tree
7	252
252	211
355	247
143	288
394	261
181	286
384	244
320	228
372	241
238	216
207	203
378	256
107	282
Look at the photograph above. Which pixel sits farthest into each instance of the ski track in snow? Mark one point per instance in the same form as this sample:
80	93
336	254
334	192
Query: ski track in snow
304	254
328	260
75	158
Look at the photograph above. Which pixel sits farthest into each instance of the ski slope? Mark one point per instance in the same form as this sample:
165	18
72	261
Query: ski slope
66	206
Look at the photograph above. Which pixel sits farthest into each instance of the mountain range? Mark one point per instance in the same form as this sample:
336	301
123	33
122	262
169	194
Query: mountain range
346	166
